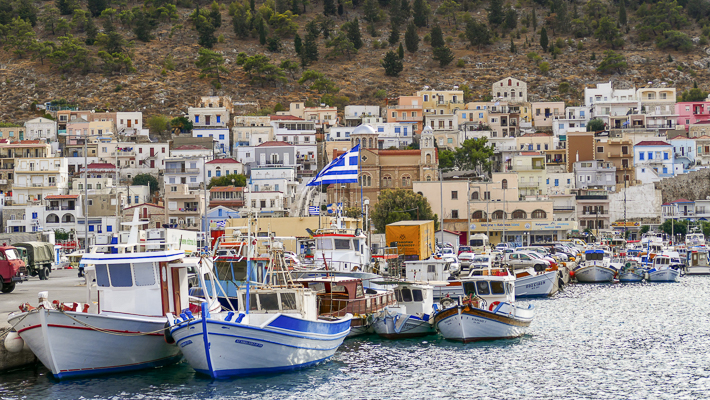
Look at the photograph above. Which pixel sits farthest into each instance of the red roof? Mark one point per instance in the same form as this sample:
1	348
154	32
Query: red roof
530	153
681	201
101	166
653	143
274	143
223	161
61	196
143	205
191	147
285	118
399	152
226	189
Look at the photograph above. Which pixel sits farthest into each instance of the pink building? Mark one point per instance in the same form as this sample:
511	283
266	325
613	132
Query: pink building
409	110
690	112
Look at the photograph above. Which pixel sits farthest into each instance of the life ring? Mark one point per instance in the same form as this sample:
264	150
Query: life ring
493	305
446	302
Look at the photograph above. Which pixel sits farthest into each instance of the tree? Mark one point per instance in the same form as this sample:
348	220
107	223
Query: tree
353	31
289	66
41	50
534	20
595	125
158	124
677	227
495	13
544	67
297	44
211	64
543	39
260	70
411	38
309	52
146	180
96	7
116	62
644	229
341	45
394	34
477	34
395	205
622	12
512	46
674	40
66	7
182	123
92	32
239	181
392	64
143	25
607	31
420	12
400	51
371	11
70	55
240	21
448	9
511	19
205	29
50	18
694	94
612	62
329	7
20	37
437	37
443	55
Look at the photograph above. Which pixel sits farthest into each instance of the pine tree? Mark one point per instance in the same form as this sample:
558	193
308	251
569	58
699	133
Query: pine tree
354	33
262	32
443	55
437	37
400	52
392	64
295	7
252	5
297	44
309	53
411	38
512	46
543	39
622	13
329	7
340	9
394	34
91	32
420	11
495	13
534	21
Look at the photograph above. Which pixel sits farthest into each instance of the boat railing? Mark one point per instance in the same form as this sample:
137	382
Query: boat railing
338	231
330	305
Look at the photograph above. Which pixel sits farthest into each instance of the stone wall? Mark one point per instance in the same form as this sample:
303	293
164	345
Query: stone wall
692	186
642	202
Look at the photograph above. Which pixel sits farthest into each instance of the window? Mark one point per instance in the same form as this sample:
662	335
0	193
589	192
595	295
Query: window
120	275
144	274
102	275
499	214
519	214
665	155
91	228
600	149
504	184
539	214
454	195
650	155
474	196
34	215
665	170
641	155
219	120
455	214
209	174
221	137
557	182
486	195
109	228
197	119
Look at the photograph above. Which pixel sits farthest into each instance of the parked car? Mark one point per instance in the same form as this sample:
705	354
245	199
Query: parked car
520	260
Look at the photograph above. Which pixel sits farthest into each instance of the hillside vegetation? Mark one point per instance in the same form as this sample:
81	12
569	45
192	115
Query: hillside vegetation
158	56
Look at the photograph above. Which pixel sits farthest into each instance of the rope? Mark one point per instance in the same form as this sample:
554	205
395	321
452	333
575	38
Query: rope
161	330
11	328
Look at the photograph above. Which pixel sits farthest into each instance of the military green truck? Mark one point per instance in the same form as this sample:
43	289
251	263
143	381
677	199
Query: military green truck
38	257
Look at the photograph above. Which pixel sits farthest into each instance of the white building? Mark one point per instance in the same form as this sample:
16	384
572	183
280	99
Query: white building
36	178
189	171
251	131
354	115
575	117
210	120
222	167
42	129
510	89
135	158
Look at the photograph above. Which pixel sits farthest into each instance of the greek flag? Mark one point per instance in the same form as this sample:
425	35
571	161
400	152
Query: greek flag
313	210
341	170
222	224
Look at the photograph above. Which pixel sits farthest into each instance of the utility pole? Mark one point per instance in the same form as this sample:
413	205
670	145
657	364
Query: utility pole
86	195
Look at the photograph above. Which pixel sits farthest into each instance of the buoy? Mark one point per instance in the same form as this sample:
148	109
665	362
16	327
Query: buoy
13	342
571	274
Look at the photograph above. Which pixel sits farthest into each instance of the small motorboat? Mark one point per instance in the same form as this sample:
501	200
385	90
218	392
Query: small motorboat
486	312
631	272
663	271
410	317
698	262
595	268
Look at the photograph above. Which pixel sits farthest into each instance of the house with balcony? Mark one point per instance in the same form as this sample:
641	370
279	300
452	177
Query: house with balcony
293	130
184	207
44	129
681	209
36	178
227	196
223	167
474	113
685	151
153	213
187	171
595	174
441	102
620	153
560	189
592	208
510	89
275	179
532	175
266	204
408	110
301	157
355	114
692	112
504	119
546	114
210	119
251	131
654	160
574	117
135	158
391	134
659	107
323	117
702	146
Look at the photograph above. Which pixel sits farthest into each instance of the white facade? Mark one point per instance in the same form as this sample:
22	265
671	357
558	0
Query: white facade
185	170
129	122
575	117
41	129
640	201
135	158
354	115
222	167
510	89
391	134
275	179
266	203
219	135
36	178
251	131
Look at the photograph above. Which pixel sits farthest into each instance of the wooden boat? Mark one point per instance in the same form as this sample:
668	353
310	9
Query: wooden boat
411	316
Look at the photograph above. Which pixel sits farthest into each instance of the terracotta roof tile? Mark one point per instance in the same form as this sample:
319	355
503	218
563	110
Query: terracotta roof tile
652	143
223	161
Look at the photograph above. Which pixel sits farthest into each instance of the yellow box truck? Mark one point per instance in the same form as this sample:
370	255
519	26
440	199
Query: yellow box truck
415	239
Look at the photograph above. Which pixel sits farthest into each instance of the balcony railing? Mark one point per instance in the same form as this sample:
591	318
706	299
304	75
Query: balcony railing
58	208
182	170
592	197
563	208
529	184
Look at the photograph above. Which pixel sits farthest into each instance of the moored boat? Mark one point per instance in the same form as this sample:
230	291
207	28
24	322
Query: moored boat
410	317
487	312
662	270
595	268
530	283
698	262
631	272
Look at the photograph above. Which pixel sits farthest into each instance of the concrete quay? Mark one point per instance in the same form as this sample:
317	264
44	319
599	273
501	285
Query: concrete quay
62	285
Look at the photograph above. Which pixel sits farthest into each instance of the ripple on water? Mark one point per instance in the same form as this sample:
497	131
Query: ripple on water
626	341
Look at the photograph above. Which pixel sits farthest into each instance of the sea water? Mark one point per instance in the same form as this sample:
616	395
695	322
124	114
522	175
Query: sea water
609	341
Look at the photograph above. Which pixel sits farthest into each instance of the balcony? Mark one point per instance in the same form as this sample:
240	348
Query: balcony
529	184
182	171
123	154
592	197
60	208
563	208
398	107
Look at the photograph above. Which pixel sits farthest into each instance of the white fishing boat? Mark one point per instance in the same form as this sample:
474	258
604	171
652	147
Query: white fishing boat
531	283
631	272
662	270
487	312
437	273
276	328
595	268
124	331
698	262
410	317
694	239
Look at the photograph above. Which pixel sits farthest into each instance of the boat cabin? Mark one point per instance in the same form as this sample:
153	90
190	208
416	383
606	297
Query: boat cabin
698	258
428	270
594	255
342	250
340	295
662	261
264	303
490	288
416	299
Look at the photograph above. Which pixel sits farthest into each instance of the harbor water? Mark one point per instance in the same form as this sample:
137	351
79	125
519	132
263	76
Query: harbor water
613	341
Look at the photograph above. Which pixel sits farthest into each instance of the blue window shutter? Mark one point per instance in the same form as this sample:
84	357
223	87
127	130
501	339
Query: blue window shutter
209	174
557	182
109	228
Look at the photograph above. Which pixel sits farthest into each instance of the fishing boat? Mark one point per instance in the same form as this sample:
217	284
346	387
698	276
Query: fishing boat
698	262
410	317
124	330
694	239
437	273
276	328
488	310
595	268
531	283
631	272
662	270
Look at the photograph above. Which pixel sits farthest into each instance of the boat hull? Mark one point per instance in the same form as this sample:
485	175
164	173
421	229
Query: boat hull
223	349
594	274
542	285
630	277
69	349
466	324
664	275
401	326
698	270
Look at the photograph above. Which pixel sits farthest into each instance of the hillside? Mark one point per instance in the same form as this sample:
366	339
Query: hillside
155	89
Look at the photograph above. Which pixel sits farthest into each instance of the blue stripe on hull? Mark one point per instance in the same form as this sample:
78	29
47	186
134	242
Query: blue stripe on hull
300	325
230	373
112	370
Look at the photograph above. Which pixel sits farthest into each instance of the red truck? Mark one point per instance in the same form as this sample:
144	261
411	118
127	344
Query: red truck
12	268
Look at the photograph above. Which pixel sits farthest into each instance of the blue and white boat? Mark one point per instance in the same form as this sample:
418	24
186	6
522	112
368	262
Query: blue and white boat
595	268
411	316
663	270
276	328
631	272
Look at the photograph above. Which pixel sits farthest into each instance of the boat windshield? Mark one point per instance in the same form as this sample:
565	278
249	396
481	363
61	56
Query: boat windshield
595	256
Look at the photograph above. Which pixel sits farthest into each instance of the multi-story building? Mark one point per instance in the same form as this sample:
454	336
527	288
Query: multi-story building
135	158
659	107
702	144
546	114
579	147
595	174
153	213
692	112
681	209
266	204
398	135
36	178
251	131
685	151
354	114
475	114
654	160
223	167
293	130
560	189
322	117
575	117
700	128
409	110
184	207
41	128
227	196
510	89
275	178
187	171
532	175
592	208
12	133
441	102
620	153
504	119
210	119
